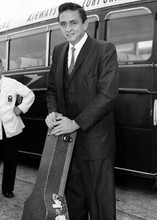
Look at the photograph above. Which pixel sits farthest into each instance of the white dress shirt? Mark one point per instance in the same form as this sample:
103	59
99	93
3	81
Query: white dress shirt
78	47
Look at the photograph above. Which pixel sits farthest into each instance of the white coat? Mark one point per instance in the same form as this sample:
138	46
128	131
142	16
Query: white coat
10	88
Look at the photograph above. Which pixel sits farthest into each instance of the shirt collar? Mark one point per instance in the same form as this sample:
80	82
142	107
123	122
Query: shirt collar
79	45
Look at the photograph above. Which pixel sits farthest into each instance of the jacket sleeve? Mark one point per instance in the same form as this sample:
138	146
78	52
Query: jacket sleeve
107	90
51	95
27	94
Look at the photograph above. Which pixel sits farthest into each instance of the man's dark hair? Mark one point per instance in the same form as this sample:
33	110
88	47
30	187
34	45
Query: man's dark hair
73	7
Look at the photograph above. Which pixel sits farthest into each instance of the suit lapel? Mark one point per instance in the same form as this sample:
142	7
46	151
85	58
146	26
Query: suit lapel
84	52
60	73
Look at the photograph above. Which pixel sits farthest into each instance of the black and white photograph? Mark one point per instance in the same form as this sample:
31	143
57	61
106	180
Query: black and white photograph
78	110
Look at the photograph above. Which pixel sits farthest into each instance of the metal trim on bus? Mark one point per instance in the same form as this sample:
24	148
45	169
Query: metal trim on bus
136	172
3	38
135	90
30	154
132	65
94	15
27	32
127	9
7	55
26	72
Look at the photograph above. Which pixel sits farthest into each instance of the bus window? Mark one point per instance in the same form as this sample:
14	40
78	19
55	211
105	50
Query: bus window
132	33
3	52
91	29
56	38
27	51
92	25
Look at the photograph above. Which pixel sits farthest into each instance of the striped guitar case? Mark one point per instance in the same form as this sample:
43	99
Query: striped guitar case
47	201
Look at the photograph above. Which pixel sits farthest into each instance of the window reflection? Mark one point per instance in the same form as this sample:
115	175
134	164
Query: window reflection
28	51
132	34
3	53
56	38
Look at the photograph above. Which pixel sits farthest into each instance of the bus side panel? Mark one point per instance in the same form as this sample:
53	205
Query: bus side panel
34	133
134	149
133	116
33	137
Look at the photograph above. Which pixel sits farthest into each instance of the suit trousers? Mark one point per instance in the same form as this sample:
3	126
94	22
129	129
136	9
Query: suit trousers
9	155
90	189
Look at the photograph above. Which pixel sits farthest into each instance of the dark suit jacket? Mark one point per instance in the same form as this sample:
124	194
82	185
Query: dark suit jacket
92	91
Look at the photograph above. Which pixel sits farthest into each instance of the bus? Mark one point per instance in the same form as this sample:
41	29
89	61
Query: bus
26	46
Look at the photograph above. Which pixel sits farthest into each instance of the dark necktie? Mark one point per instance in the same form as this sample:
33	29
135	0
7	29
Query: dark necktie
72	63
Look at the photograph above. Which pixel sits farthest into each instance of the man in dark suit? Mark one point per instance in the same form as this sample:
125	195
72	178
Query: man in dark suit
83	86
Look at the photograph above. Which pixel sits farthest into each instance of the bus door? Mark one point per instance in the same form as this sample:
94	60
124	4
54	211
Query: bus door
132	32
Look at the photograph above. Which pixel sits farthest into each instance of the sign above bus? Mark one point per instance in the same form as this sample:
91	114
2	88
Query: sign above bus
51	13
94	4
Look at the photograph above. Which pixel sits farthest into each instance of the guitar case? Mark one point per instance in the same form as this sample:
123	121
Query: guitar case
47	201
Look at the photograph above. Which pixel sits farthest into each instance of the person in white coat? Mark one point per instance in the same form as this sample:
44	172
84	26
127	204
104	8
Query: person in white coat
11	126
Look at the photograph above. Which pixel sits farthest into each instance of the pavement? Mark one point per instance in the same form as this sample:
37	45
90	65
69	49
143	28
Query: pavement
11	209
135	200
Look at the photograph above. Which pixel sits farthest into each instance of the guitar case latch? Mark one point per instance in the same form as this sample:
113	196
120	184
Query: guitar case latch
67	139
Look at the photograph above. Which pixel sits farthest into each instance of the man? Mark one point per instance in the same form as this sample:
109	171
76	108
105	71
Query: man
11	126
81	99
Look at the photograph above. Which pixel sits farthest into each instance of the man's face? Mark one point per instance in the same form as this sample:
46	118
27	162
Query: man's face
72	26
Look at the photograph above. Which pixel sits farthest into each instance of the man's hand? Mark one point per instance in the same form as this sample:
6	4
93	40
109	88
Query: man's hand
17	111
51	118
64	125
